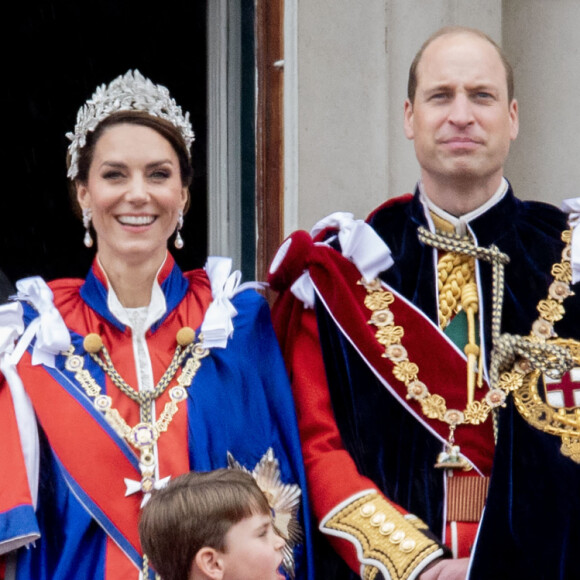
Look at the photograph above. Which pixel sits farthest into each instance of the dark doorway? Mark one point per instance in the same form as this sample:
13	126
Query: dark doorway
55	53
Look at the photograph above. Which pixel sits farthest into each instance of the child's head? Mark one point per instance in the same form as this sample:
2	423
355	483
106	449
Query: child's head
214	524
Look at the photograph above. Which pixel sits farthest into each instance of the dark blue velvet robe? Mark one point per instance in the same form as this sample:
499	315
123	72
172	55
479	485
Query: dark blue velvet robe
531	524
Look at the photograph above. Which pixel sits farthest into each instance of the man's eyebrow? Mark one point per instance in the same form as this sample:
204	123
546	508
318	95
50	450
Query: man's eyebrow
439	88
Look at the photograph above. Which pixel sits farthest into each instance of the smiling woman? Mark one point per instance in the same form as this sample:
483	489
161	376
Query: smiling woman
134	375
136	198
53	70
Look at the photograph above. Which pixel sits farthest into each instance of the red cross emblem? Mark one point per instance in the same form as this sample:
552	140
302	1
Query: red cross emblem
564	392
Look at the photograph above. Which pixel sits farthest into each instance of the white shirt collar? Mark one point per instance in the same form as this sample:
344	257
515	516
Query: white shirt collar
155	310
460	223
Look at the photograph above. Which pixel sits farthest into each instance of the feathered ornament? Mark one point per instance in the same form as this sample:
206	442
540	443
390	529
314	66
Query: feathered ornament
284	500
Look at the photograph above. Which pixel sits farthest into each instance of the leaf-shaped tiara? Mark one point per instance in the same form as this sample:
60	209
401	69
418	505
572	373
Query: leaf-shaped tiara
128	92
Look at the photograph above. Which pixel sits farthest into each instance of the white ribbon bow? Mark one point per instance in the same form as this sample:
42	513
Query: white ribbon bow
11	326
303	289
572	208
217	324
359	242
52	335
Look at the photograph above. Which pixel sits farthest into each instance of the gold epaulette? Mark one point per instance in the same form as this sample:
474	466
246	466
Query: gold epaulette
386	540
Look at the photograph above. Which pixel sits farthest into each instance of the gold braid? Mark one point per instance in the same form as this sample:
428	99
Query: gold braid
454	271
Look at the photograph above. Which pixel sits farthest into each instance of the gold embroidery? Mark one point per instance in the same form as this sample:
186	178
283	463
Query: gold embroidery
384	534
562	422
544	353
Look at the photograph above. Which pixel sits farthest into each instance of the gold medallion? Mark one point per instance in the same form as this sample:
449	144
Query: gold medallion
553	405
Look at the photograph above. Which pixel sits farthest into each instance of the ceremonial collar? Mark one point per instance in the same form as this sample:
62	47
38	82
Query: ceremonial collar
460	223
168	290
491	222
156	308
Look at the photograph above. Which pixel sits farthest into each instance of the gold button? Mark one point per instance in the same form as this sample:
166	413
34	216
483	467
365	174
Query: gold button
378	519
367	510
185	336
92	343
407	545
397	537
387	528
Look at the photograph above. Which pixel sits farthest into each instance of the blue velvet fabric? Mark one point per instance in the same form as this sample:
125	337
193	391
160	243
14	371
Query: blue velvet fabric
531	524
234	405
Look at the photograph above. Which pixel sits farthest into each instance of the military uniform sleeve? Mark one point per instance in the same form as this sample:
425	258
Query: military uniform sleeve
372	534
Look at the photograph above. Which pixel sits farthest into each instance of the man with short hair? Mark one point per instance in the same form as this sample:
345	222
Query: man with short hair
416	342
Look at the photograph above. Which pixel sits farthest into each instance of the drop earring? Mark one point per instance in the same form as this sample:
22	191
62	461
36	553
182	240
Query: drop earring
178	239
87	216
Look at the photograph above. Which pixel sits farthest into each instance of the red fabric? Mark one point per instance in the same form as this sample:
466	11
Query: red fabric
441	366
53	405
331	472
466	533
117	565
12	493
55	409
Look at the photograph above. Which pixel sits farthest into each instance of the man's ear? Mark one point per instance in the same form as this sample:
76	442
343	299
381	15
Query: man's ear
209	562
408	120
514	120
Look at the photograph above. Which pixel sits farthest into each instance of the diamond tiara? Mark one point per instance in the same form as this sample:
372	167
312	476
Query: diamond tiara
128	92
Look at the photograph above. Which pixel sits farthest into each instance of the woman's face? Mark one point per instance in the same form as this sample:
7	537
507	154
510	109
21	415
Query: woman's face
134	192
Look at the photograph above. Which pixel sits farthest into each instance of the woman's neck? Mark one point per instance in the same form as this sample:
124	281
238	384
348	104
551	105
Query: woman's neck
132	283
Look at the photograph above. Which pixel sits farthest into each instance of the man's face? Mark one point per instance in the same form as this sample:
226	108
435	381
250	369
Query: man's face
461	121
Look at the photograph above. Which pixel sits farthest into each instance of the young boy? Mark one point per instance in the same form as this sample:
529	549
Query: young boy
214	525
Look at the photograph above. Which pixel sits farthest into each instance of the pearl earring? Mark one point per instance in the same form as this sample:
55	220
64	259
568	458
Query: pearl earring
87	216
178	239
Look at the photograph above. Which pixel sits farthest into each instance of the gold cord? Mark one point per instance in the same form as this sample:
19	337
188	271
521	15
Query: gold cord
144	435
469	303
454	271
94	346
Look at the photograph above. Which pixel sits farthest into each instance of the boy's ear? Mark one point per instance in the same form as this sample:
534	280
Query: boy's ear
209	562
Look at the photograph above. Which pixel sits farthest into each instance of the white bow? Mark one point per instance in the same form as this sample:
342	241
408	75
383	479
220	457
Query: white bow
303	289
52	335
359	242
11	326
572	208
217	324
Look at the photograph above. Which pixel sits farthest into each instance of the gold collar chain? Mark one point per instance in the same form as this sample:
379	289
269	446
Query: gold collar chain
536	351
452	242
543	353
144	435
540	352
433	406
